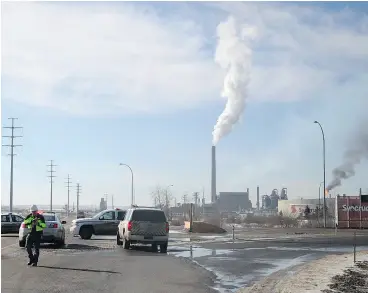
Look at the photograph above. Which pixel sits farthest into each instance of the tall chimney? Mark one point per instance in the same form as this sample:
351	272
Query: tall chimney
258	198
213	175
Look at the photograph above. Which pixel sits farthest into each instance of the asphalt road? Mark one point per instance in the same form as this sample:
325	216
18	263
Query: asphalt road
98	266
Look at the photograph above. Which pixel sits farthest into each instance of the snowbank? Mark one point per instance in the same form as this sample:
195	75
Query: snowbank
309	278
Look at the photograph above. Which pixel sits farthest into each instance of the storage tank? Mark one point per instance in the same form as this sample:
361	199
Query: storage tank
283	195
266	202
274	199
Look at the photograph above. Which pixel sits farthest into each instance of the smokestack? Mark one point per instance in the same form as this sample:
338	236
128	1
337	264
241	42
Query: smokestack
213	175
258	198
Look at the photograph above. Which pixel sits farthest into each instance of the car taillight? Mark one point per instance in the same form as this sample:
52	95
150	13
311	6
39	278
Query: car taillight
130	226
167	227
55	225
23	225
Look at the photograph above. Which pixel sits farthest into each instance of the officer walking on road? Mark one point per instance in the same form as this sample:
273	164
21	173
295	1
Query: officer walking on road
35	222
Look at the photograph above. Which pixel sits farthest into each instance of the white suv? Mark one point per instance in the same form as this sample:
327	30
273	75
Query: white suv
144	226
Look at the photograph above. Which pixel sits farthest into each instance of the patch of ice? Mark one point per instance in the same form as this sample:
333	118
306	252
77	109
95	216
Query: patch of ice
197	251
319	249
282	264
177	232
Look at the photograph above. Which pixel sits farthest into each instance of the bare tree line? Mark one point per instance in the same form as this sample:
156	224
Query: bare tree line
162	197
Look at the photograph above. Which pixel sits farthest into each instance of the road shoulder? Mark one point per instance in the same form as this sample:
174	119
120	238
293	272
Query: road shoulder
311	277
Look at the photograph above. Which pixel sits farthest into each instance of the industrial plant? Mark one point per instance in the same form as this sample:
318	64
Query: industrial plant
227	202
345	212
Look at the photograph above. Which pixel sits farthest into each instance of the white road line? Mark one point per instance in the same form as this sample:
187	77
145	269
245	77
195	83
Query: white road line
9	246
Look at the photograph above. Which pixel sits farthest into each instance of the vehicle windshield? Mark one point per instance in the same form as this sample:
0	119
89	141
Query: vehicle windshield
98	215
149	216
49	218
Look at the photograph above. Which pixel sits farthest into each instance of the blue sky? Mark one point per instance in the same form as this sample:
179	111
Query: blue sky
95	84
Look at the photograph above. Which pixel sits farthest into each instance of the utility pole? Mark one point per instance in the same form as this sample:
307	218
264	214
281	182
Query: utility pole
51	176
184	207
185	198
12	145
78	194
195	197
68	186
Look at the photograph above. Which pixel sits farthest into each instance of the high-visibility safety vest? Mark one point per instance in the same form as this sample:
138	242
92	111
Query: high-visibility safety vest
40	225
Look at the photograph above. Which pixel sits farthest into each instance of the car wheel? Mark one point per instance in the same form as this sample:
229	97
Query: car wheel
118	240
60	243
86	233
22	243
126	244
163	248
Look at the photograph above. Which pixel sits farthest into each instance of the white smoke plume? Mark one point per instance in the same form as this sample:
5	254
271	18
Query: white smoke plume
234	55
353	156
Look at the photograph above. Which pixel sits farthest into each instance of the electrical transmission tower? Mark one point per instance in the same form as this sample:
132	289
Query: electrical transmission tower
78	194
185	196
68	186
51	176
12	145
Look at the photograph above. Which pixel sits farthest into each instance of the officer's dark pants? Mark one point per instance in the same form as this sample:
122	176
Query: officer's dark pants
33	239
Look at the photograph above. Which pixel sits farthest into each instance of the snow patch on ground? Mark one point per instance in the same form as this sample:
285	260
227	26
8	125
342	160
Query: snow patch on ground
309	278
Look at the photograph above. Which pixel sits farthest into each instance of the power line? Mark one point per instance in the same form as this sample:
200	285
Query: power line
78	194
68	186
51	176
12	145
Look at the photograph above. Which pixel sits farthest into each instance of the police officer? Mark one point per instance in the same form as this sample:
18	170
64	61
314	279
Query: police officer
35	222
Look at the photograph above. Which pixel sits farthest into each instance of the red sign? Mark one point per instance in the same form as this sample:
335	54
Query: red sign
352	213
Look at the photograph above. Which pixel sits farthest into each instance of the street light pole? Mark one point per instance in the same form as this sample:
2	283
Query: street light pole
131	171
324	175
319	201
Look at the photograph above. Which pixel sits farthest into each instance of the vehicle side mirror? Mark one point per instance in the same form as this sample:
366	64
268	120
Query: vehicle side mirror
63	222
